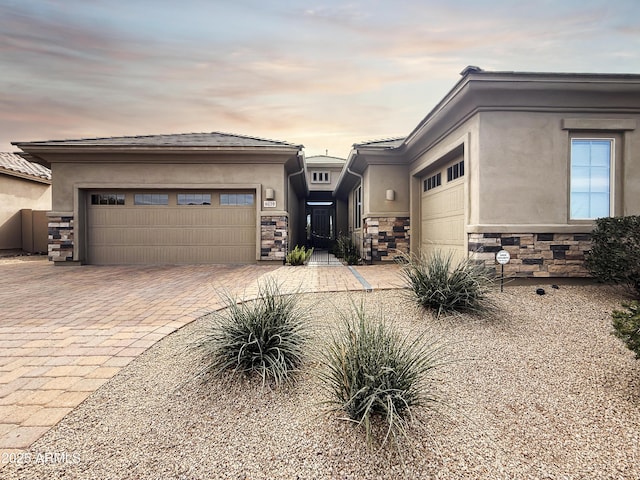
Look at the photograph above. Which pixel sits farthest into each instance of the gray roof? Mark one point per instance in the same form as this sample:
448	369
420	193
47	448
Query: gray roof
14	164
474	70
213	139
383	143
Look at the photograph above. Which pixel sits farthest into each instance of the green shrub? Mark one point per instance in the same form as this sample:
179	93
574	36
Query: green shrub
376	374
347	250
615	251
627	326
436	283
265	337
299	255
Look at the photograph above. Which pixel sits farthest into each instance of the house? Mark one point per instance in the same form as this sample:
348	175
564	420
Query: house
25	194
506	160
187	198
518	161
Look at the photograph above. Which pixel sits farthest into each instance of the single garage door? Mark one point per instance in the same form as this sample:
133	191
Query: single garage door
442	215
165	227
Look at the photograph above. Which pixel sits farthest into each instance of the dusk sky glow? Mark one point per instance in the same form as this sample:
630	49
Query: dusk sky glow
324	74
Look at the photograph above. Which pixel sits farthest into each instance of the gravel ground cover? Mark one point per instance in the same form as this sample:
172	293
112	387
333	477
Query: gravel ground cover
538	389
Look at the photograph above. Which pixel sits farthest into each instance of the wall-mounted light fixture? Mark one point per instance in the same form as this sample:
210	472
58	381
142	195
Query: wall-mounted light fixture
269	194
391	195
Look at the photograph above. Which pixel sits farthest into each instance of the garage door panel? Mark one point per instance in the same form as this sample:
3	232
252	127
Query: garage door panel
446	231
194	254
444	203
173	236
129	233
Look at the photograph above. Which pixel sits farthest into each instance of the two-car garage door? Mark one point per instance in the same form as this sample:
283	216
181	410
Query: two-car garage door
171	227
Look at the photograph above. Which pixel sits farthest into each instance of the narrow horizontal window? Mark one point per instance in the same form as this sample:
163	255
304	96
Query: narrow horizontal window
151	199
432	182
236	199
194	199
107	199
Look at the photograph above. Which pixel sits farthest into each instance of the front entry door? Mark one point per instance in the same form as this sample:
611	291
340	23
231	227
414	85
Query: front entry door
321	231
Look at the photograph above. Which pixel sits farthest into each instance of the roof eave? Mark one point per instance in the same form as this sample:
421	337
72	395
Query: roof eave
24	176
475	80
35	148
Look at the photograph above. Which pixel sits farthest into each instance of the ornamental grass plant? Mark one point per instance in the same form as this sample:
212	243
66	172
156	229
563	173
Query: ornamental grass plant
346	249
438	283
299	255
378	375
264	337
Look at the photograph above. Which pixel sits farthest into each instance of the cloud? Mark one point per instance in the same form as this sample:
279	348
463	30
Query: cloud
59	41
344	70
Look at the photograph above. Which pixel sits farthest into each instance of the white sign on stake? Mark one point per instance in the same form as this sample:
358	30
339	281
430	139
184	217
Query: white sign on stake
503	257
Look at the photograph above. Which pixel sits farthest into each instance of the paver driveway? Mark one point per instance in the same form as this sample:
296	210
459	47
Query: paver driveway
65	331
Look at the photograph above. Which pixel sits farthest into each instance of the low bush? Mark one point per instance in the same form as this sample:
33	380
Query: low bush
347	250
377	375
615	251
299	255
626	326
436	283
265	337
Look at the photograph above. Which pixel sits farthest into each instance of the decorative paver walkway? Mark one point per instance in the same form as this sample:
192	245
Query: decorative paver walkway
65	331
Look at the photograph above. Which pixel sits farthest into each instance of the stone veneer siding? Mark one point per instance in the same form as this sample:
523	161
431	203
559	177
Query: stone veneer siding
274	237
60	238
533	254
385	238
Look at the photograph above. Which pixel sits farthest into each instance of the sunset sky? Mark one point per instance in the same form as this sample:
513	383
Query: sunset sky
324	74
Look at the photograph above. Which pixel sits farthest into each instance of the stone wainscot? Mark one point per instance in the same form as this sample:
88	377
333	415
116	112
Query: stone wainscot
385	238
61	236
534	254
274	237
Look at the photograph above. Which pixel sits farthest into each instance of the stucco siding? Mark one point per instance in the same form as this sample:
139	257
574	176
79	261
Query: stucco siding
66	176
631	171
388	177
17	194
524	167
295	209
